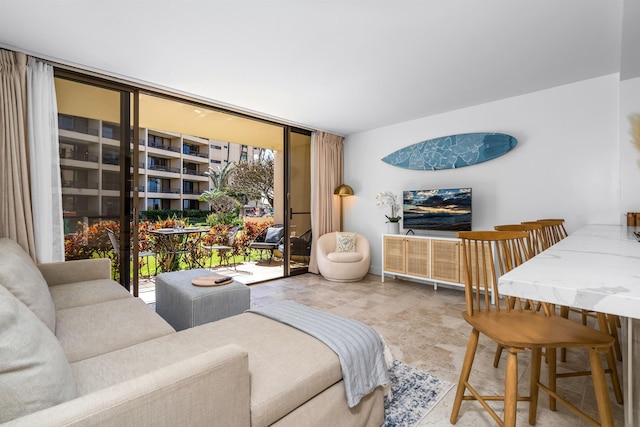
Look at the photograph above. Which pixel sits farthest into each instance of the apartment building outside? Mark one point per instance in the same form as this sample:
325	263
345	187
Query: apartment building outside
171	167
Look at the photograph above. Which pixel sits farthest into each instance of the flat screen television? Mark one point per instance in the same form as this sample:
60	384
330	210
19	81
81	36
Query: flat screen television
437	209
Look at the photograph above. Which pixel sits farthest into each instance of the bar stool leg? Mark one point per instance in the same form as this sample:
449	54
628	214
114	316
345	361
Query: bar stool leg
603	324
472	345
600	387
511	388
536	361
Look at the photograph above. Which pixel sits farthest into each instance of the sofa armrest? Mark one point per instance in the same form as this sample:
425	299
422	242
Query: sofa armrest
211	388
59	273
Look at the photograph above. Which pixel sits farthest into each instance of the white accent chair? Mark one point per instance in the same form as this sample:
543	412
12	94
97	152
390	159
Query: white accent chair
343	266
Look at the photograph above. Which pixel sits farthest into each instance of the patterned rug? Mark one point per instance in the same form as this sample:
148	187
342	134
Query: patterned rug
414	394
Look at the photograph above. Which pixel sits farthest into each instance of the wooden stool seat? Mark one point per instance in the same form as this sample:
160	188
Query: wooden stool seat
530	329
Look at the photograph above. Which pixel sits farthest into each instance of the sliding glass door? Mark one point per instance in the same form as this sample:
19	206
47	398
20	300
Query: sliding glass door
299	201
164	167
96	146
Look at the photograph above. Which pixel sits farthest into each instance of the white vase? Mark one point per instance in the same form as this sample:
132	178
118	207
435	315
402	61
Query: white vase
393	228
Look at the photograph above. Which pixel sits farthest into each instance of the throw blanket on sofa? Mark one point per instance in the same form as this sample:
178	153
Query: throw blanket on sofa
359	348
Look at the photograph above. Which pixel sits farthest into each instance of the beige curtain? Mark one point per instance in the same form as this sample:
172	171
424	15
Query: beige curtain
15	199
326	176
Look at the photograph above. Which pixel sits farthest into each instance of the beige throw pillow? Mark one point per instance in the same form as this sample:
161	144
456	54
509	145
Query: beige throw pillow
34	371
345	242
21	276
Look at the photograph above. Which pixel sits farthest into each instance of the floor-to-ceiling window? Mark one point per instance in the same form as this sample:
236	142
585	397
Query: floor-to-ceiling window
179	142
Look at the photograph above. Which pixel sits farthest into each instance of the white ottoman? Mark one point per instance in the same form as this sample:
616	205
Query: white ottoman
184	305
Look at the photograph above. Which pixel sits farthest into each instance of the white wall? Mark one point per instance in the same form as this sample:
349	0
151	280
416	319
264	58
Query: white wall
566	163
629	154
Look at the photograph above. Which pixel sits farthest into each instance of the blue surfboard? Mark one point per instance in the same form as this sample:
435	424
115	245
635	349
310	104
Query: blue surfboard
453	151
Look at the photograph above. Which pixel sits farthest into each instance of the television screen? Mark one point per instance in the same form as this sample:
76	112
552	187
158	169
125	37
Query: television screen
440	209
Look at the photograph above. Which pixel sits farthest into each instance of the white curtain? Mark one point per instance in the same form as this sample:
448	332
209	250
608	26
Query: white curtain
44	162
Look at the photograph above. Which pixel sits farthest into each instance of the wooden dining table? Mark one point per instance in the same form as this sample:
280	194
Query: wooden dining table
596	268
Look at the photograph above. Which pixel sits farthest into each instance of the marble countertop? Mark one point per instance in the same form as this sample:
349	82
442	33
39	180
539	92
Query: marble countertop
595	268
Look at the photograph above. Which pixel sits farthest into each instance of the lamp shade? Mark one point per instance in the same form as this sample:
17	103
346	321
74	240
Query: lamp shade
343	191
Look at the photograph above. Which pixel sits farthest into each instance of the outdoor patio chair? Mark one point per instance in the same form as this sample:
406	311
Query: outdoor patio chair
225	251
268	240
115	243
299	246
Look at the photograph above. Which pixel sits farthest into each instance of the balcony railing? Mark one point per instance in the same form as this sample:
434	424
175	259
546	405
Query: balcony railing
83	185
163	147
188	171
164	168
190	191
110	185
79	129
109	160
164	190
196	154
83	157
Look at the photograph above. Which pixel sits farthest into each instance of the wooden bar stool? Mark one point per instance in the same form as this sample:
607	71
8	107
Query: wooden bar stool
486	256
537	237
557	225
536	242
553	230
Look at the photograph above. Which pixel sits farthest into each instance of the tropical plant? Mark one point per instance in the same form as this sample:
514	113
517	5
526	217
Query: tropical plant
254	180
227	218
220	198
89	241
249	233
220	177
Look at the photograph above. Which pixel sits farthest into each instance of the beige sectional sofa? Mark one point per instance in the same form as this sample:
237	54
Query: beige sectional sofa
77	349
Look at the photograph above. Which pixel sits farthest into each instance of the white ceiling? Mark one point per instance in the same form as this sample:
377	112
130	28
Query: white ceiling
337	65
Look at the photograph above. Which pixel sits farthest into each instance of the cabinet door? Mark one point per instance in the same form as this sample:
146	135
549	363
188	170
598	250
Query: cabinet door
394	253
418	257
445	260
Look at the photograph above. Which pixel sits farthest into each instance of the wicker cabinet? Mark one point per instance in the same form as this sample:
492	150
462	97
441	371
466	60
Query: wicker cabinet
434	259
407	256
394	254
445	260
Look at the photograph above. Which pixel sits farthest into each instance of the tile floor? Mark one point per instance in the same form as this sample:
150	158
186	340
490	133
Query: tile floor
424	328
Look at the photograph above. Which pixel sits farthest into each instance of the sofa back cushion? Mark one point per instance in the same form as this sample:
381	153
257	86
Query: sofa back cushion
34	371
20	275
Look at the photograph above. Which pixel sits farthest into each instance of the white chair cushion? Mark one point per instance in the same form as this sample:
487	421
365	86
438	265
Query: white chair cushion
20	275
344	256
345	242
34	372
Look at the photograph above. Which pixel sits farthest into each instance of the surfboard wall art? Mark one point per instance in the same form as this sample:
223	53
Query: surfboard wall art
453	151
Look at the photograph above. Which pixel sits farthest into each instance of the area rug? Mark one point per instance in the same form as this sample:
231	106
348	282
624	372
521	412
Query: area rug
414	394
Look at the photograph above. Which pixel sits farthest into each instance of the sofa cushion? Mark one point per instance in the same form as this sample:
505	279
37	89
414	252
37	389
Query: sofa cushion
88	331
20	275
34	372
345	242
86	293
287	366
344	256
